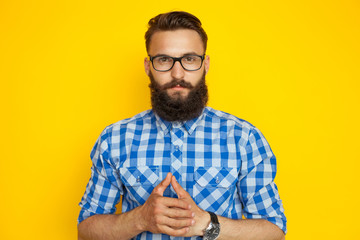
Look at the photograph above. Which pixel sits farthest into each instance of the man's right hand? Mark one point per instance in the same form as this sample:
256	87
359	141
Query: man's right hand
171	216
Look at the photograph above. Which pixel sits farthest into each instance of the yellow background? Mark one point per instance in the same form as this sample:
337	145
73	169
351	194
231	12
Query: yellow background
70	68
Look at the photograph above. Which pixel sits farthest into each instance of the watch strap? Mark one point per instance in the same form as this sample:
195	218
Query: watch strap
213	218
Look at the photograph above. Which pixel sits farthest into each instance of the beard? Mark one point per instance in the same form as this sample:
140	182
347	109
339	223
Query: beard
176	107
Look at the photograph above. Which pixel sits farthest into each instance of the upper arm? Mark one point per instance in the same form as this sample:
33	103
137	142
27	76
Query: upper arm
258	192
104	188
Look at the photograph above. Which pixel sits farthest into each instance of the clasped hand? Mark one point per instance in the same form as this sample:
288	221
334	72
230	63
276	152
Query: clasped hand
173	216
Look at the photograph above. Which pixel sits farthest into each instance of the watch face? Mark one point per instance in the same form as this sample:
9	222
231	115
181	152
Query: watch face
213	232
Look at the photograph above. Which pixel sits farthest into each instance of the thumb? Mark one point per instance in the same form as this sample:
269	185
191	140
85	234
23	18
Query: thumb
178	189
159	189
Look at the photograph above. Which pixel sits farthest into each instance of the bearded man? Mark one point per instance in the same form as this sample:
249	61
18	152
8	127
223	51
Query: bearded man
183	170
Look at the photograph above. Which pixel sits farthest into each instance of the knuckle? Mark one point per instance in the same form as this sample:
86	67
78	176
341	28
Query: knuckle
181	223
186	194
187	222
157	211
163	229
178	202
178	224
157	219
157	201
182	213
178	212
156	189
183	204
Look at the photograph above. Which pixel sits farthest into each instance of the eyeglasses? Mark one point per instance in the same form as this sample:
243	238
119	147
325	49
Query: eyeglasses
165	63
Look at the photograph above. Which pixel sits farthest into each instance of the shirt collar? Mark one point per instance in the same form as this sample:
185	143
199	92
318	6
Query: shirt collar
189	125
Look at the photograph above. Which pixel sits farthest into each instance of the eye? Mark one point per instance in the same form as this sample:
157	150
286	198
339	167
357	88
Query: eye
190	59
163	59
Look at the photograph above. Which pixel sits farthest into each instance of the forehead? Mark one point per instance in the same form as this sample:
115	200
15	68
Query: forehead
176	43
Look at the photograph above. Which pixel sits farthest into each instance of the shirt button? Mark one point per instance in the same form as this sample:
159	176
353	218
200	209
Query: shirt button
217	180
138	179
177	147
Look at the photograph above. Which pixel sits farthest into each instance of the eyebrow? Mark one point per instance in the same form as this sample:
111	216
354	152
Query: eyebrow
185	54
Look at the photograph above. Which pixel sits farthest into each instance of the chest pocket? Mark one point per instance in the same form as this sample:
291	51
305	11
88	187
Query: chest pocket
139	182
215	188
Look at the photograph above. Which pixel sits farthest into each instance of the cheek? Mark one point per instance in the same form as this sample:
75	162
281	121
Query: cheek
161	77
195	78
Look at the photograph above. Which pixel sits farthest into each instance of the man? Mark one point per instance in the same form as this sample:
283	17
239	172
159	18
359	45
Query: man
183	170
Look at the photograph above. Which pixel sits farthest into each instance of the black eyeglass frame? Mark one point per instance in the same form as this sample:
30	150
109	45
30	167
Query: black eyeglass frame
177	60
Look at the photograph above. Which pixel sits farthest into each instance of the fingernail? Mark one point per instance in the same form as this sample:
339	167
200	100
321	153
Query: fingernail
192	222
193	214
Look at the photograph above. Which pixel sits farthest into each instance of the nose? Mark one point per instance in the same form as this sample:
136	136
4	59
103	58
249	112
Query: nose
177	72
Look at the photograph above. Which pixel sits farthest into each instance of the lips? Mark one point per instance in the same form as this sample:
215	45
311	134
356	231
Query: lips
178	85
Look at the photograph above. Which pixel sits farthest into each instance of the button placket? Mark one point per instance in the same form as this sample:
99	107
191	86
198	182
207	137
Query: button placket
177	136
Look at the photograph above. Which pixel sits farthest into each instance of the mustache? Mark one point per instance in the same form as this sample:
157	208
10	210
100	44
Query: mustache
175	83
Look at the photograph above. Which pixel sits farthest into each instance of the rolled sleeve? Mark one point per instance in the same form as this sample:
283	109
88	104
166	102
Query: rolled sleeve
103	190
259	193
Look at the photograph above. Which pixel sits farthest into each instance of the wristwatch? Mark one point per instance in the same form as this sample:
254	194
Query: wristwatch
213	230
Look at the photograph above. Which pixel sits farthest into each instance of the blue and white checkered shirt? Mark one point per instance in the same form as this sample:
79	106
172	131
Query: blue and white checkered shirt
223	162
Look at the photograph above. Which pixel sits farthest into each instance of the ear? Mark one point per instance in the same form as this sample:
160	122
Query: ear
147	66
207	63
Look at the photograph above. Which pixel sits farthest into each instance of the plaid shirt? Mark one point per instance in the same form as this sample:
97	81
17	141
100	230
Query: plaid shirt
223	162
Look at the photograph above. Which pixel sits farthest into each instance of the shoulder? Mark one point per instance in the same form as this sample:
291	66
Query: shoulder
243	130
140	119
227	118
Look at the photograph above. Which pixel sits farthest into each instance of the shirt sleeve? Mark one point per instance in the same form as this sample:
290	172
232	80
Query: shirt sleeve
258	192
104	188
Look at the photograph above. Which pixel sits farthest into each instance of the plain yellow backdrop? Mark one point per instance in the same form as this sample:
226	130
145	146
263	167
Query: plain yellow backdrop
70	68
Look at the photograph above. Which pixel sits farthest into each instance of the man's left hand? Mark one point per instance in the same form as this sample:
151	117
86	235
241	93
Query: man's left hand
202	218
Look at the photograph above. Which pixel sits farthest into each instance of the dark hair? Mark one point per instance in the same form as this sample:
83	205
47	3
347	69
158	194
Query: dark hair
173	21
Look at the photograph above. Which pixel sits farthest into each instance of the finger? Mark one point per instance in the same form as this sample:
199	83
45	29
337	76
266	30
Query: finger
174	223
178	189
179	213
159	189
174	232
174	203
